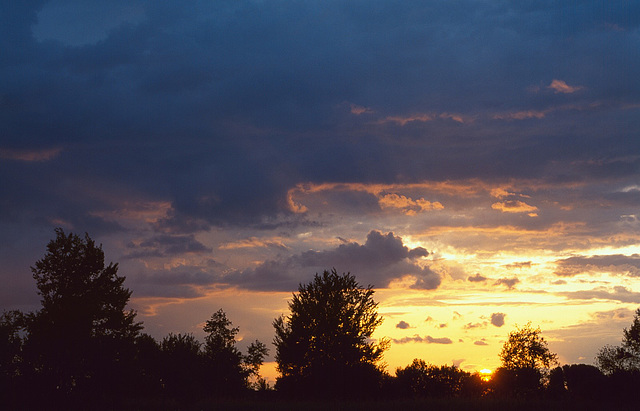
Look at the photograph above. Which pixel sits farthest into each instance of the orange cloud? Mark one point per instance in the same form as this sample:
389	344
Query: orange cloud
30	155
253	242
408	205
560	86
404	120
357	110
424	117
515	206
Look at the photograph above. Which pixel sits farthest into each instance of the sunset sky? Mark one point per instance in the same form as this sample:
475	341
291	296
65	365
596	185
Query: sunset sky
477	161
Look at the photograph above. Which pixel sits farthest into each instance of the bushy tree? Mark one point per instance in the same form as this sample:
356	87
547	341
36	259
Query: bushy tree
82	337
526	360
526	348
324	345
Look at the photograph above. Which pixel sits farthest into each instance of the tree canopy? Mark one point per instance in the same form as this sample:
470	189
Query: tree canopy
79	293
82	339
329	329
525	348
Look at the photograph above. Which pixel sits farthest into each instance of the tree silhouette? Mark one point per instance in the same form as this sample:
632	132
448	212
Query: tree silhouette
525	359
225	360
324	345
526	348
420	379
256	353
12	325
182	369
82	337
625	357
621	364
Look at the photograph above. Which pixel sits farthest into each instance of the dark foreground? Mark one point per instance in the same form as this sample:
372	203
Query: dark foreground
484	404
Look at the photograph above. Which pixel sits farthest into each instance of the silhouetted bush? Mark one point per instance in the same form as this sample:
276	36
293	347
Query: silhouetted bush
420	379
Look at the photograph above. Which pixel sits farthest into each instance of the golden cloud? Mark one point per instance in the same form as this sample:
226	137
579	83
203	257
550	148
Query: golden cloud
515	206
408	205
253	242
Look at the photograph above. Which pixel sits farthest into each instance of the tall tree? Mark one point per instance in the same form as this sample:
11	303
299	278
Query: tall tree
83	334
223	356
325	344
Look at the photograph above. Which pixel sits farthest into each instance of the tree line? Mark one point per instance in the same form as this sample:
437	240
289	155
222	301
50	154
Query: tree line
83	349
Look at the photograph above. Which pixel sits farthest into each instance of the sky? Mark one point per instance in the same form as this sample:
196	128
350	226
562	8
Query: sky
476	161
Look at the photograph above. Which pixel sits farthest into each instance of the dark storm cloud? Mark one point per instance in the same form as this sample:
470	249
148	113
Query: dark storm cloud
219	107
380	260
617	263
426	339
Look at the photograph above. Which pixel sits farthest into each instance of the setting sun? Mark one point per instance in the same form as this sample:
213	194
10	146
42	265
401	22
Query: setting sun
486	374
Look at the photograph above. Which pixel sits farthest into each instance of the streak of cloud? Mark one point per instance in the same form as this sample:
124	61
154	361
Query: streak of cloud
418	339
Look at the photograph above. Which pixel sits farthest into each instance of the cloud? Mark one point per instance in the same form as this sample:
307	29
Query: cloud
522	264
618	293
402	121
181	281
476	278
30	155
480	342
521	115
619	264
254	242
471	326
418	339
507	282
497	319
408	205
167	245
403	325
381	259
515	206
358	110
559	86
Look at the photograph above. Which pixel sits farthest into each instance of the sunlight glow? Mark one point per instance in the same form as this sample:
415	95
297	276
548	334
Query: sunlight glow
485	374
